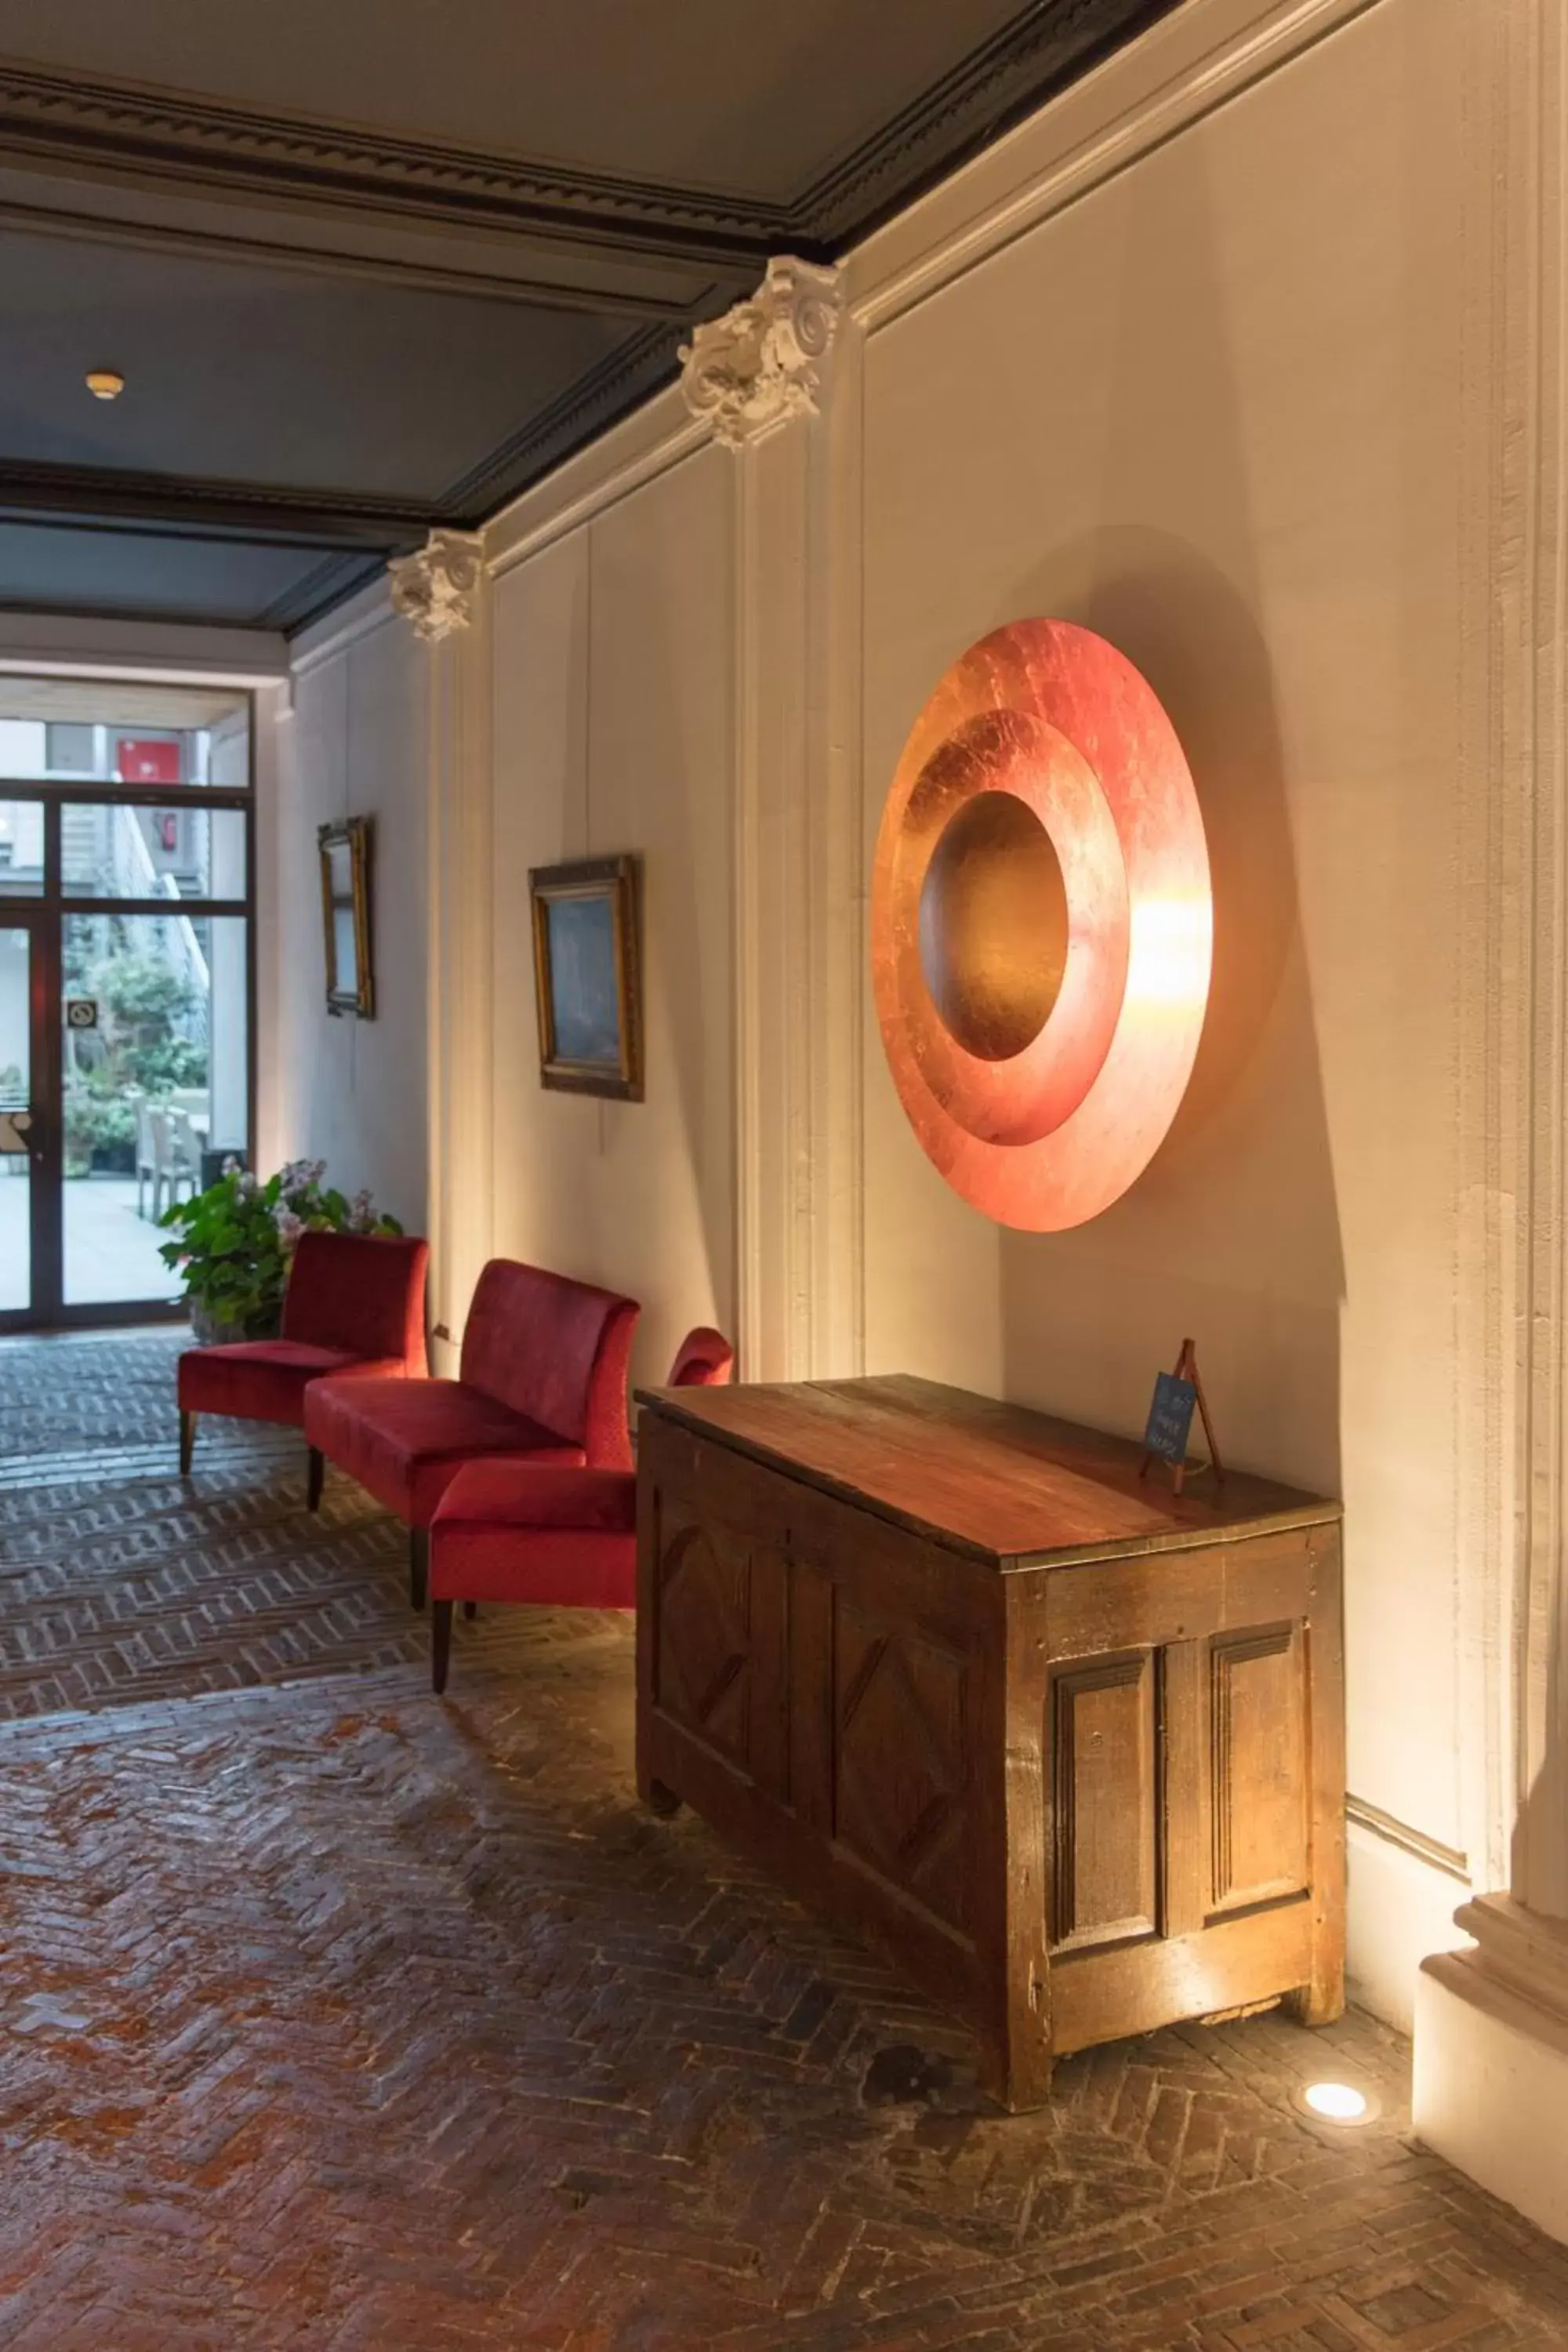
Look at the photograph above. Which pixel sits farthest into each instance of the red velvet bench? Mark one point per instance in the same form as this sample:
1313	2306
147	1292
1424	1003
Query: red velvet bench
522	1531
542	1379
353	1308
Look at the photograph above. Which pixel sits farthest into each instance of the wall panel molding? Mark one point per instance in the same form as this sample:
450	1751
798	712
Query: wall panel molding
1207	53
798	940
461	969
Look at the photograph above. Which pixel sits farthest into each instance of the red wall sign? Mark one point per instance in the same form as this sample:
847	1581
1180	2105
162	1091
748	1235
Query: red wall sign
147	763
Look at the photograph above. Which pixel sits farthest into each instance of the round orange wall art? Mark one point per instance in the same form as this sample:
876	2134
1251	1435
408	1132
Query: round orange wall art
1041	925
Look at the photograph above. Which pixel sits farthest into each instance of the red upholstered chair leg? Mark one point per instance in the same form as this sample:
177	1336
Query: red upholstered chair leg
315	1473
441	1642
470	1609
418	1565
188	1442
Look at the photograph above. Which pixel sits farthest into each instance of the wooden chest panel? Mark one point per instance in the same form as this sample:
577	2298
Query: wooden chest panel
1076	1791
901	1750
1259	1770
1104	1749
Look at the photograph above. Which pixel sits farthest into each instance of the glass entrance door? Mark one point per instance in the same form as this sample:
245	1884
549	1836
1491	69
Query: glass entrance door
126	981
24	1240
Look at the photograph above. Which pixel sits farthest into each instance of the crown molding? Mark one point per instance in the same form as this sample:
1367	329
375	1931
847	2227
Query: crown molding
173	147
620	381
161	505
324	587
1048	44
600	300
160	136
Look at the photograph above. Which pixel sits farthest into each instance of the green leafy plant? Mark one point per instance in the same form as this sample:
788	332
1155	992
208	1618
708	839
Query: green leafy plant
237	1240
139	1048
98	1124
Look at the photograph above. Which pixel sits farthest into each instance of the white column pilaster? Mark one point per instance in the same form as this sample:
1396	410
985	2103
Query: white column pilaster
1491	2028
778	379
444	594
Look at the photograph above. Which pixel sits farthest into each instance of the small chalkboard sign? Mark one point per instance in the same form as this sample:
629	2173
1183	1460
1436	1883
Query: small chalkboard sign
1170	1424
1171	1418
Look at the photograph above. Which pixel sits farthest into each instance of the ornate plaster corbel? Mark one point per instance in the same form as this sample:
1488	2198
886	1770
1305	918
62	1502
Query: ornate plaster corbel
762	362
434	590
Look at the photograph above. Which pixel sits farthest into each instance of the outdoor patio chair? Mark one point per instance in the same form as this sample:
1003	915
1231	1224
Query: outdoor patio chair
185	1153
147	1171
168	1152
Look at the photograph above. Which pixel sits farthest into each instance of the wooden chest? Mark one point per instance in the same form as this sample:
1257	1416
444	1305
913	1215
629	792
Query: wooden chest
1069	1747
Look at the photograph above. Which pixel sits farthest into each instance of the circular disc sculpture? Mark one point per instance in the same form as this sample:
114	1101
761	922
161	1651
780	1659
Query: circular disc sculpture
1041	925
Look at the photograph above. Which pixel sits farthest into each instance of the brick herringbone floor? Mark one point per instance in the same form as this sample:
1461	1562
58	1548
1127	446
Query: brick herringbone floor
337	2018
120	1581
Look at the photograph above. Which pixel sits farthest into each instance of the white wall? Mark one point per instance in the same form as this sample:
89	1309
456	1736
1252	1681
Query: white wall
1201	357
1212	409
612	733
355	1092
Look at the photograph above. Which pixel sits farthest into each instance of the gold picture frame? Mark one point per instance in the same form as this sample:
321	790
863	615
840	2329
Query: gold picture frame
588	969
345	913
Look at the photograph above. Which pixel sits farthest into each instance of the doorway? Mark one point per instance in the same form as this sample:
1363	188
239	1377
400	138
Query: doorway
127	1063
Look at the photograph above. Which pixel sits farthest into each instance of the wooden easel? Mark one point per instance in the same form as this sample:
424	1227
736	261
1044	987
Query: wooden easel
1188	1369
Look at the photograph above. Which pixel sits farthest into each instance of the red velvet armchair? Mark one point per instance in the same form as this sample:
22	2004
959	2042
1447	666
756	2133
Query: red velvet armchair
353	1307
517	1531
542	1379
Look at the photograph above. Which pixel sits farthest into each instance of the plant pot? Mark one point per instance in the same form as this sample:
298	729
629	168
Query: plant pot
210	1333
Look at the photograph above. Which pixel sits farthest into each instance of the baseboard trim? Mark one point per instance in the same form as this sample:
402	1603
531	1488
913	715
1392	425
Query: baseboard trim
1361	1815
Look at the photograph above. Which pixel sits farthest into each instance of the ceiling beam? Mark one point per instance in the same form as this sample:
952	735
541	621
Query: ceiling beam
603	298
162	505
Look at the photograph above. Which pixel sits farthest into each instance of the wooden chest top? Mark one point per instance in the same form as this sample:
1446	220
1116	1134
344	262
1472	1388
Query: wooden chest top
995	1482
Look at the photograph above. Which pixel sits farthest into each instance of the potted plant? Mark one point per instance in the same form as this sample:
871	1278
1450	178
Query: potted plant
237	1241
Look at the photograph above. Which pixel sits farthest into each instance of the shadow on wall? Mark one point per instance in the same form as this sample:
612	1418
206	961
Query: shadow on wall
1231	1237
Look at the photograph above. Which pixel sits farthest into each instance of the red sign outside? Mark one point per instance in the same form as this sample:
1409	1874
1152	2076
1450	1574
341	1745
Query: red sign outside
147	763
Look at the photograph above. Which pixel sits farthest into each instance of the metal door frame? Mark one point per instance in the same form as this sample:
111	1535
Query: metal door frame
45	917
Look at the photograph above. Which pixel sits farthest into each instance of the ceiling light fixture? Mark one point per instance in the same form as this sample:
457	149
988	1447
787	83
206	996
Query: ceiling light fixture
105	383
1336	2103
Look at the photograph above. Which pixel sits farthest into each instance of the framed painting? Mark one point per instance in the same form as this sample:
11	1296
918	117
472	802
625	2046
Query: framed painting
345	915
588	976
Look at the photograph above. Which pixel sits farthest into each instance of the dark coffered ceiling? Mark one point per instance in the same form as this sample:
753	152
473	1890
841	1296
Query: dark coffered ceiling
373	266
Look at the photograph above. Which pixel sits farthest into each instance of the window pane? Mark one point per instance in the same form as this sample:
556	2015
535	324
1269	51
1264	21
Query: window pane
156	1057
109	851
21	849
113	731
70	748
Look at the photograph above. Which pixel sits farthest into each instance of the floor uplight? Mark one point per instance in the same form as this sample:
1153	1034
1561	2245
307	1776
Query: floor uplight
1336	2103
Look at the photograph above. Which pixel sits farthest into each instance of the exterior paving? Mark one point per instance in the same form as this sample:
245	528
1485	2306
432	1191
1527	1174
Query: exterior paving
332	2016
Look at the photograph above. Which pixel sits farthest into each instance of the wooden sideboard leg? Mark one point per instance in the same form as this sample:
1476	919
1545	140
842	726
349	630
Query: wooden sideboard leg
1026	2085
660	1800
1321	2002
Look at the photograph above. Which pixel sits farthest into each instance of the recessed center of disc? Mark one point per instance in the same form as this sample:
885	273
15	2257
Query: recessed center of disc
994	925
